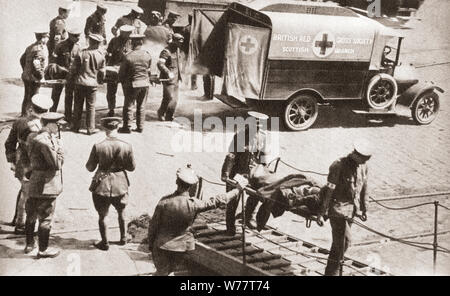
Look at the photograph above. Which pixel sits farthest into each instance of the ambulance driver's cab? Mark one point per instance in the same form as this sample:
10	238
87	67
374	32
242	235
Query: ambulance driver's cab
300	54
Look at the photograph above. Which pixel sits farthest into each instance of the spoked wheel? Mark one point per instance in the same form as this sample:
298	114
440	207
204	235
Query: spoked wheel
381	92
300	112
425	108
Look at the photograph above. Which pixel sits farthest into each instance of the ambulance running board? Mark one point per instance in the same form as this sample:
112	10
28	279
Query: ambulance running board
231	101
375	112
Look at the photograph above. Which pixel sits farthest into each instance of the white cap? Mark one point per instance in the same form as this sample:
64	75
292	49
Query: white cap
363	147
137	9
42	101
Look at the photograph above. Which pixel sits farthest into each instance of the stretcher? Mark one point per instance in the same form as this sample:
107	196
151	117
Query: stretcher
302	211
112	75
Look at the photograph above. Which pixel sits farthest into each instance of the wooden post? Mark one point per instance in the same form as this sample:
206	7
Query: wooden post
244	259
435	242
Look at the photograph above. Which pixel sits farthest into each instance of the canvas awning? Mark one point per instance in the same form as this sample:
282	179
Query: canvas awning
320	37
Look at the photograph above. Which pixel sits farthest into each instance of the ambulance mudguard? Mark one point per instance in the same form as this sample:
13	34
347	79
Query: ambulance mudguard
411	94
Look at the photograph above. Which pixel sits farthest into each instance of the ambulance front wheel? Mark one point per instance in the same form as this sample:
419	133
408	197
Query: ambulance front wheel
425	108
381	91
301	112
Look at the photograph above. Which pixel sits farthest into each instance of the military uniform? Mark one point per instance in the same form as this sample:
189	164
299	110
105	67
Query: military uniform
118	47
33	62
139	25
88	69
16	153
134	76
95	24
46	159
245	151
169	236
169	62
58	33
350	196
112	158
64	55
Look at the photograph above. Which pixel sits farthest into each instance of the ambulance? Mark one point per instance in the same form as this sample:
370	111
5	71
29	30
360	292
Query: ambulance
296	55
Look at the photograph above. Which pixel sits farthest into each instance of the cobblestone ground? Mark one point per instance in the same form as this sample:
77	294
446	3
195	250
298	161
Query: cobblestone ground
408	159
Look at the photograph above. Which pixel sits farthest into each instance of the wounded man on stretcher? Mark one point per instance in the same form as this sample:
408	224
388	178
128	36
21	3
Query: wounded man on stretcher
295	193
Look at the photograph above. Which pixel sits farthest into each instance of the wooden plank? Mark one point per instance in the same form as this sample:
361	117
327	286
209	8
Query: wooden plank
218	239
250	250
277	263
263	257
222	263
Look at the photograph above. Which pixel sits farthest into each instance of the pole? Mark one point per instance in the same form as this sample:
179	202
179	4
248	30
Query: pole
435	242
244	259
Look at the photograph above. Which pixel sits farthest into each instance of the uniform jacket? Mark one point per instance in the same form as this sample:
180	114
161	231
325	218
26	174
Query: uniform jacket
16	146
118	47
65	53
139	25
351	192
95	24
245	151
170	62
58	33
114	156
134	68
33	62
88	68
174	214
46	159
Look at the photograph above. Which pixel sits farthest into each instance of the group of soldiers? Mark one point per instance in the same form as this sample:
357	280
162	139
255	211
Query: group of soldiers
34	146
57	55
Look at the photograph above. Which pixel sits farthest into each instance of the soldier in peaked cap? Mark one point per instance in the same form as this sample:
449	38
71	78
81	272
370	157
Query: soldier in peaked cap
46	159
248	149
134	76
346	196
95	23
132	19
172	17
63	57
169	236
111	157
155	18
16	153
87	72
118	47
58	31
33	62
169	64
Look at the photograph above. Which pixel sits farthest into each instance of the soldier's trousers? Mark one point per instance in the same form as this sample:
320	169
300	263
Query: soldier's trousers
21	204
31	88
208	86
341	235
111	91
166	261
82	94
132	95
169	101
68	99
41	209
232	205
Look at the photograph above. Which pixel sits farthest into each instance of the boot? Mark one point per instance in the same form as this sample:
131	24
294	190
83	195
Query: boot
48	253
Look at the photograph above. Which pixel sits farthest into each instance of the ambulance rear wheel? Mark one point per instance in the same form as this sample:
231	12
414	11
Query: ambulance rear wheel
425	108
301	112
381	92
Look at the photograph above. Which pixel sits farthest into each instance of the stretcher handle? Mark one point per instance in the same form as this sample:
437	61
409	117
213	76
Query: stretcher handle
246	189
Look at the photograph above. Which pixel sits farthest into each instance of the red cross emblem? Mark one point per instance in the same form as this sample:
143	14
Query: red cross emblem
323	44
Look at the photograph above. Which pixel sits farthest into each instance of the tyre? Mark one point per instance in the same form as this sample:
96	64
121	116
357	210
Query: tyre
425	108
300	112
381	92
